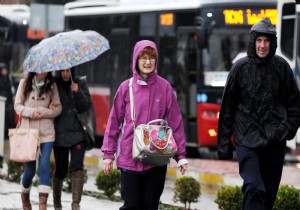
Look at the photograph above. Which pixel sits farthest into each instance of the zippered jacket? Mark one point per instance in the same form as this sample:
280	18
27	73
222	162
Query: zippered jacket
261	101
68	130
153	99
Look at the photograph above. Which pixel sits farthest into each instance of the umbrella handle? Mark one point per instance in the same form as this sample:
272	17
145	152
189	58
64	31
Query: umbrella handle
71	76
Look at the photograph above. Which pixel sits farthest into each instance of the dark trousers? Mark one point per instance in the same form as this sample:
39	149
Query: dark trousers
142	191
261	170
61	156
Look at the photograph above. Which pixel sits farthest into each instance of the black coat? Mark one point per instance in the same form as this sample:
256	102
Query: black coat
67	127
5	91
261	101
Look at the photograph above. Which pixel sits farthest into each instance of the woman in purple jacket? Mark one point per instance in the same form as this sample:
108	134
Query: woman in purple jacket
154	98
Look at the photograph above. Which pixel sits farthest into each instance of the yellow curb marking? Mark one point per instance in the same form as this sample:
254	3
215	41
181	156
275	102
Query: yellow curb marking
171	172
91	160
210	183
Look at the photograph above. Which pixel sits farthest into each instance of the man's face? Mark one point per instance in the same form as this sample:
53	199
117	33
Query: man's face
262	46
66	75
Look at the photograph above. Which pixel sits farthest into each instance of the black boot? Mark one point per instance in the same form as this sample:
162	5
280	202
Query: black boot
57	188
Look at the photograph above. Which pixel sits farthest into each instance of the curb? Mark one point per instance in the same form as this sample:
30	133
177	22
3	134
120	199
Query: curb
210	182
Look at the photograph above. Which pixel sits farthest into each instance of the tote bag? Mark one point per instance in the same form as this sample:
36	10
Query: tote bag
152	144
24	143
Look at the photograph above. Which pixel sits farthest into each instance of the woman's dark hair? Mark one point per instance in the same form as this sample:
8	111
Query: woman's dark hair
46	88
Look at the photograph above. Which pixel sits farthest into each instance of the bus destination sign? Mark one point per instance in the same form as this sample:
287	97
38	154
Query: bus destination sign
248	16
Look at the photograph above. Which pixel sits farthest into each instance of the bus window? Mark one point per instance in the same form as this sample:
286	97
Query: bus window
288	21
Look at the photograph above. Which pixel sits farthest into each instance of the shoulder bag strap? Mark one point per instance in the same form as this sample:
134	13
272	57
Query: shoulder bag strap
131	102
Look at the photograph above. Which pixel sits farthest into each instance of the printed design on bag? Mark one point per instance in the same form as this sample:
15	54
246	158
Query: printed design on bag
146	138
162	142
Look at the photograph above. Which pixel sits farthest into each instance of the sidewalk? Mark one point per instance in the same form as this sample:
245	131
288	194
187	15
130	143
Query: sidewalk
212	174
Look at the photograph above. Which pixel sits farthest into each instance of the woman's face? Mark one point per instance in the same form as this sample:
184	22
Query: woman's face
4	71
42	76
66	75
146	64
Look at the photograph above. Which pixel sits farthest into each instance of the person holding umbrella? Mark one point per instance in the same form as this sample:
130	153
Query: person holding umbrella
34	95
60	53
69	137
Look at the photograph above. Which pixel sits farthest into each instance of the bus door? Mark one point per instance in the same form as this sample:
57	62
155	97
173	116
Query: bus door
186	85
297	44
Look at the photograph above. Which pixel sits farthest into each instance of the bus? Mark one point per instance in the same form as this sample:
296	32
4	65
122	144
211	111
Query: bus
13	45
16	38
197	40
288	32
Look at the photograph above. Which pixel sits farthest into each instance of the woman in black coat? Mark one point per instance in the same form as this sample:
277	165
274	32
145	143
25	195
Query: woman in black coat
69	137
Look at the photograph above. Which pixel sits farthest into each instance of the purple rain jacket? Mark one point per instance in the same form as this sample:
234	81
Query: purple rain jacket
153	99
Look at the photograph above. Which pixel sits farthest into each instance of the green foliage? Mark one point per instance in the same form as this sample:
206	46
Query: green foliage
186	190
288	198
108	183
14	171
229	198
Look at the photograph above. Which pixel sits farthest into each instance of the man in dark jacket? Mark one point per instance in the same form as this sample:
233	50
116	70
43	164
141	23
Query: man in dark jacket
261	109
69	137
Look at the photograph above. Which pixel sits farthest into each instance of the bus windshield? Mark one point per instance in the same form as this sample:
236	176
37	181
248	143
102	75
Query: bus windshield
225	46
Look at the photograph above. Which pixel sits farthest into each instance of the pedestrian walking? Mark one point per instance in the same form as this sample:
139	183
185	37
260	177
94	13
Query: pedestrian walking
32	103
6	91
154	98
261	109
69	136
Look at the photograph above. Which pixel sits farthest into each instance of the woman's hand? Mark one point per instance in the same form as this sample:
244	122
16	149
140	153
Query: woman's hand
74	87
107	166
183	169
36	115
53	105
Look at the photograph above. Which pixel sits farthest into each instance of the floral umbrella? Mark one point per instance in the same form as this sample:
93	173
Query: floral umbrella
65	50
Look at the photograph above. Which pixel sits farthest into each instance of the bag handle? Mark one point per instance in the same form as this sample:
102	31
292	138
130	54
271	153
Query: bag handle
132	112
162	122
20	118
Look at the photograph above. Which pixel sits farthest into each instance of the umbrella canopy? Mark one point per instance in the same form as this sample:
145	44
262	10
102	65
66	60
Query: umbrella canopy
65	50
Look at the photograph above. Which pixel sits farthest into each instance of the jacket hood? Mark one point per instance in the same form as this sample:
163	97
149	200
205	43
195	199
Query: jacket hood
263	28
139	46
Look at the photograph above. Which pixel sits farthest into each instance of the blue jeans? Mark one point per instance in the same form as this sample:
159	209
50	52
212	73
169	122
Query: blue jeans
43	165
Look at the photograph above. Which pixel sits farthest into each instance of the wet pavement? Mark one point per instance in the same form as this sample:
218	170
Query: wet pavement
212	174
